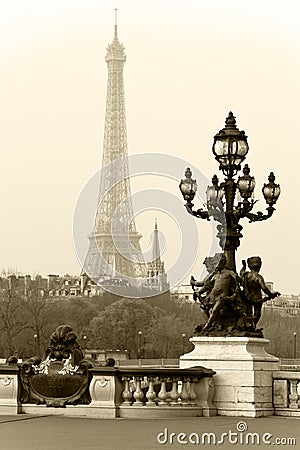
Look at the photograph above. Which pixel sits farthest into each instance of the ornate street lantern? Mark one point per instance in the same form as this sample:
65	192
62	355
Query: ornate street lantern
188	186
214	194
246	183
230	147
271	191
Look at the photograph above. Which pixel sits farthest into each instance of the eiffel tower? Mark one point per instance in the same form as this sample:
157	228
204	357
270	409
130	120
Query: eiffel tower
114	249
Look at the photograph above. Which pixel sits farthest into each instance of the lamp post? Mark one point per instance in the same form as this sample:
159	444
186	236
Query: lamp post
183	342
84	344
140	344
295	345
230	148
35	336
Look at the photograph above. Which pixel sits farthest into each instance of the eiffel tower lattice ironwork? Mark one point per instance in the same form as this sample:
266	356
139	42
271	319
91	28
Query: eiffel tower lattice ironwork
114	248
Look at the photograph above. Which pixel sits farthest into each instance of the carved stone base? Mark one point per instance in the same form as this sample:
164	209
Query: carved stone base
9	386
243	383
103	412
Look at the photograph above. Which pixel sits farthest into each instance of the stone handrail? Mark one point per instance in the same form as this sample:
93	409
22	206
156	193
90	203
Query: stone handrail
146	362
286	393
289	362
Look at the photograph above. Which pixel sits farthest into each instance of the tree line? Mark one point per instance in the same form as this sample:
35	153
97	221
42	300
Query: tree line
279	329
107	323
113	323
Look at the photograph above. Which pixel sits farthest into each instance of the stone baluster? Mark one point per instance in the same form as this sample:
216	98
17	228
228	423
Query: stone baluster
151	395
185	396
163	394
138	393
192	392
205	391
293	396
127	394
174	394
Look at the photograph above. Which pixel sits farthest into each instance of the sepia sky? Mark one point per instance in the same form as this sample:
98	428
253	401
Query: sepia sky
188	64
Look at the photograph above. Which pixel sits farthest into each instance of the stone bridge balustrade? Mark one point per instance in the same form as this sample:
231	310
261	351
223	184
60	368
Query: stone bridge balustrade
152	392
134	392
286	393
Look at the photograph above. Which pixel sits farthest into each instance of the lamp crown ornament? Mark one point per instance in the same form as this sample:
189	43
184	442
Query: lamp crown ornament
188	173
215	180
230	121
246	170
230	126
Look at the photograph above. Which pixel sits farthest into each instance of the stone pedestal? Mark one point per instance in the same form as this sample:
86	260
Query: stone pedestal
9	387
105	391
244	373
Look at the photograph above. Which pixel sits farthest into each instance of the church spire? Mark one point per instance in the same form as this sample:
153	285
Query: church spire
156	249
156	269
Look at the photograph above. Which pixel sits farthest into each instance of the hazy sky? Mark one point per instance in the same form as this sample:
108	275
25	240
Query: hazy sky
188	64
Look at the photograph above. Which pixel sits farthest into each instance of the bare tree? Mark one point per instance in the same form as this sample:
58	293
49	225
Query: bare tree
11	319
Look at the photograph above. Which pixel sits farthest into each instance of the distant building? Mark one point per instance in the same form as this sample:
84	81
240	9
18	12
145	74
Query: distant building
72	285
53	285
182	292
287	305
